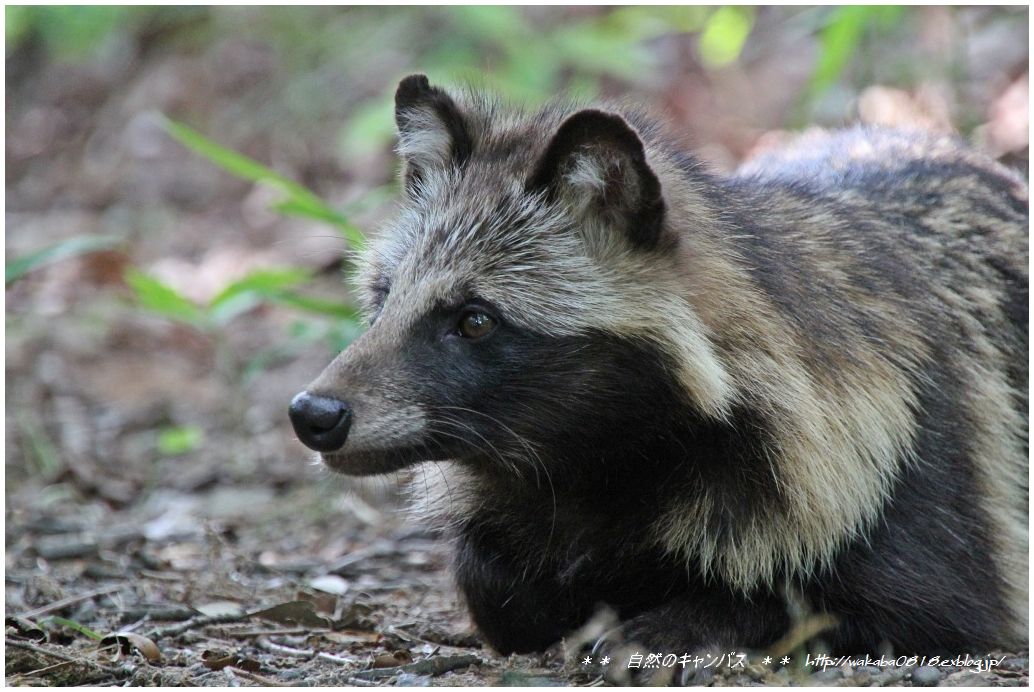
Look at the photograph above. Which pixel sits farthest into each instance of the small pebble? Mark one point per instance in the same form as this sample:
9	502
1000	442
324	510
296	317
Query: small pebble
964	679
926	676
861	678
1018	664
827	675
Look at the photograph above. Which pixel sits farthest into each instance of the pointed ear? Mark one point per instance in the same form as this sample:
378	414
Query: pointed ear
432	130
596	163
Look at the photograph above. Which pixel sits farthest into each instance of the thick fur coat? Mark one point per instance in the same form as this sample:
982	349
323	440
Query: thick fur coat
699	395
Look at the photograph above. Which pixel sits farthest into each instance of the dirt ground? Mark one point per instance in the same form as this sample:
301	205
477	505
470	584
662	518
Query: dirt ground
234	560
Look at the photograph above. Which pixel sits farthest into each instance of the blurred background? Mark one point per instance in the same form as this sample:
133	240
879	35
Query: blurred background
182	182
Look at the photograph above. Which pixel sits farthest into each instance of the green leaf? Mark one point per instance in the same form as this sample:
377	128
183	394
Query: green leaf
246	293
299	201
320	306
73	625
272	286
838	42
234	306
724	34
840	38
179	440
162	299
320	212
72	247
230	160
263	282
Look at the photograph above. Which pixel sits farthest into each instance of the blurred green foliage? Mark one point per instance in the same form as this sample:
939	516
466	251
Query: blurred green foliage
176	440
724	34
527	58
840	38
331	72
65	249
297	200
522	53
532	62
525	53
262	286
67	31
49	622
77	32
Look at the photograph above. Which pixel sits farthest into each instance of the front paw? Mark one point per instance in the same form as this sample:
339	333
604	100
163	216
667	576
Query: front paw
600	648
624	657
644	652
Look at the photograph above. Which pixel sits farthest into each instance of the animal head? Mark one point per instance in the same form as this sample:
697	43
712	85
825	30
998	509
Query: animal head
519	302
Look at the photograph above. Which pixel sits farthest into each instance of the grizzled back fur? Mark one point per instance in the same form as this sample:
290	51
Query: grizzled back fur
811	374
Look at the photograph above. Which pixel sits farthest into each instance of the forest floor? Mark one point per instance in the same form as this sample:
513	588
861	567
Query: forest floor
163	526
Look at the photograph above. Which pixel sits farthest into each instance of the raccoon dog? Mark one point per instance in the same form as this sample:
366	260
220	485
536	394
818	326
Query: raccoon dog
684	396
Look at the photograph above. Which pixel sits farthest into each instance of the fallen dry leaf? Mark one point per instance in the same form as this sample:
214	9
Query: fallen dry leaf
294	613
128	642
323	602
216	660
23	628
396	658
352	637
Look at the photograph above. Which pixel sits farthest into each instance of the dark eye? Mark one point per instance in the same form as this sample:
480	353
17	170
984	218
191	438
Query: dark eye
474	325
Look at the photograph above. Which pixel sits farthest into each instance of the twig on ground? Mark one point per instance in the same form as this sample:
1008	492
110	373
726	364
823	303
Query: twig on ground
282	650
160	576
256	678
65	659
351	680
431	666
203	621
247	634
71	600
40	650
359	682
55	666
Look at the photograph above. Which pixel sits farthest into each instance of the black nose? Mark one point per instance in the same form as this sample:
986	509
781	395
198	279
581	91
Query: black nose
321	423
